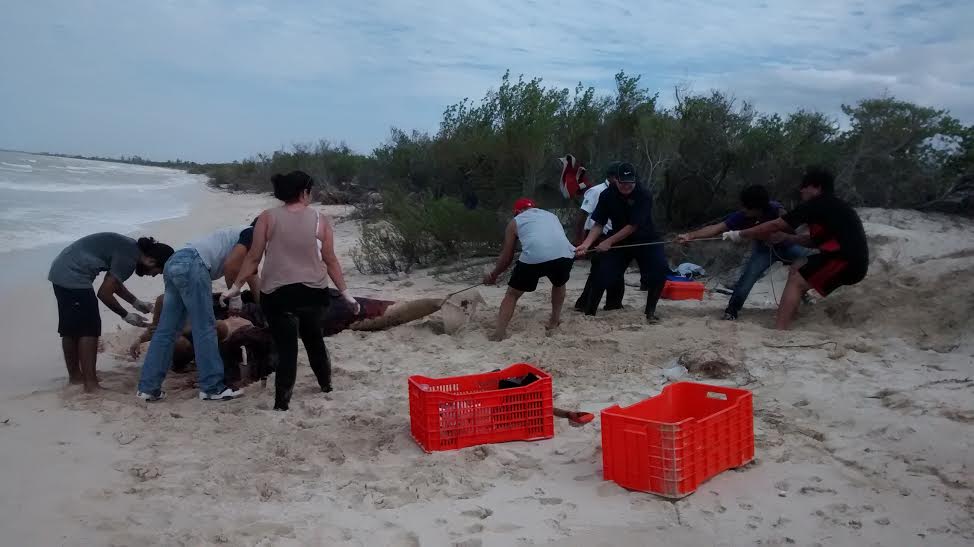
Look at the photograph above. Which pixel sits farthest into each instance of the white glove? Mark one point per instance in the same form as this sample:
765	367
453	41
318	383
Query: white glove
236	304
143	306
232	292
351	300
732	235
135	320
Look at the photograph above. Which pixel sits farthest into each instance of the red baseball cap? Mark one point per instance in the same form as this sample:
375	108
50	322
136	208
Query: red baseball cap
522	204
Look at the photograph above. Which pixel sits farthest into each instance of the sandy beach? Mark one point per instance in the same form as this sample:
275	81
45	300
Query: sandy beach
863	418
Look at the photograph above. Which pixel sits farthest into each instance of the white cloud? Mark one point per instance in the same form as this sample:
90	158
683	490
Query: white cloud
225	78
936	75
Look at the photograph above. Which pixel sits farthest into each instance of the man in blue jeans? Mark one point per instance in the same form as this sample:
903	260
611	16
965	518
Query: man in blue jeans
189	276
756	207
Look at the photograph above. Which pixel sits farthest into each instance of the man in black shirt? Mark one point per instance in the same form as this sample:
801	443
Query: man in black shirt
834	228
617	290
630	209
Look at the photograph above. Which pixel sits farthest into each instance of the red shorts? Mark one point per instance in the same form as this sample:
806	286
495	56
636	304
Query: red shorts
825	273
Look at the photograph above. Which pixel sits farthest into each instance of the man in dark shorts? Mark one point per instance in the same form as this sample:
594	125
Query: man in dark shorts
834	228
545	252
756	207
630	209
73	274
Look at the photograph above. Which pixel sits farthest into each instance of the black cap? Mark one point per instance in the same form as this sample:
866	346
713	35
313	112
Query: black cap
627	173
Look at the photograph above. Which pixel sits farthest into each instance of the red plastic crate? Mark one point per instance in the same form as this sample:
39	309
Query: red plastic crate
671	443
683	290
451	413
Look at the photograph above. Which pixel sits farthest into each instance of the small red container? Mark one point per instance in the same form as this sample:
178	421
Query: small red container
683	290
451	413
671	443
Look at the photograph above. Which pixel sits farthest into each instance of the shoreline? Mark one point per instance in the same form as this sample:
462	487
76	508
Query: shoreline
35	424
28	366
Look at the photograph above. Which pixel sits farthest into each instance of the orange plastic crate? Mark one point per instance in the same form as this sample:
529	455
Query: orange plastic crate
683	290
671	443
451	413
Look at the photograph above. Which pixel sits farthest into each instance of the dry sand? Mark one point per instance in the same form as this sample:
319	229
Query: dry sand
863	418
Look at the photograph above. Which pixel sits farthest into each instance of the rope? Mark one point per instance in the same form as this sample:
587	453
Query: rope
452	294
614	247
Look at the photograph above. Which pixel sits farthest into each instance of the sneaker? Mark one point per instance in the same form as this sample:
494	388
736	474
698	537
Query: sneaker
226	395
148	397
730	316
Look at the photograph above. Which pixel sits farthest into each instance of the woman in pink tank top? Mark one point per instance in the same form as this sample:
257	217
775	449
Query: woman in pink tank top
297	245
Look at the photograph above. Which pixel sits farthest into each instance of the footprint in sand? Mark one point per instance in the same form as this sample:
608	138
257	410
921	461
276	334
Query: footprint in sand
405	539
477	454
479	513
960	416
550	501
267	530
267	491
145	472
809	490
609	489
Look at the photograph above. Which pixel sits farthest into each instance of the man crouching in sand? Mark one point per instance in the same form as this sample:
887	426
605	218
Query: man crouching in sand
834	229
545	252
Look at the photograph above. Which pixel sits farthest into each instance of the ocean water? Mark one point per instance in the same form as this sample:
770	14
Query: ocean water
48	202
45	204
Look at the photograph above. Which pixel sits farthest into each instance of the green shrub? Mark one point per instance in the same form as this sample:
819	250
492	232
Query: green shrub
420	230
383	248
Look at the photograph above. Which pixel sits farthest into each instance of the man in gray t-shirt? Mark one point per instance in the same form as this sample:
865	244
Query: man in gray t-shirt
80	263
73	273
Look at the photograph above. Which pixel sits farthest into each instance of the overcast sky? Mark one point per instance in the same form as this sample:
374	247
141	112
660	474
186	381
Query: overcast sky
216	80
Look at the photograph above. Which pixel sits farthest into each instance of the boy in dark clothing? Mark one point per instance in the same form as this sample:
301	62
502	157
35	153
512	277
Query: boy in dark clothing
630	209
756	207
834	228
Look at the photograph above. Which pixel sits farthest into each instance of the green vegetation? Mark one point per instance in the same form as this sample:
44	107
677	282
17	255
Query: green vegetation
419	229
446	194
336	168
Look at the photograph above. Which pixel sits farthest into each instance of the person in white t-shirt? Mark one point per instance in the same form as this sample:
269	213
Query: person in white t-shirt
615	292
545	252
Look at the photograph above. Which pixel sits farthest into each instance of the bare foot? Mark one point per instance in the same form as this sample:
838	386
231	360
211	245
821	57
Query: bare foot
75	380
552	325
497	336
92	388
